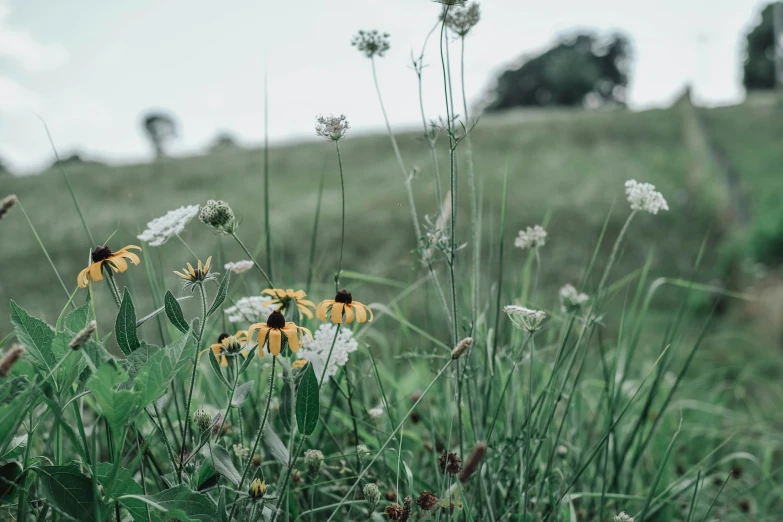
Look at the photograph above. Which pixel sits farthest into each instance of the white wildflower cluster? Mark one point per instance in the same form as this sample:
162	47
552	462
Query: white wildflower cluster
162	229
251	309
525	318
376	412
241	451
462	19
622	517
317	349
571	300
532	237
371	43
643	196
239	267
331	127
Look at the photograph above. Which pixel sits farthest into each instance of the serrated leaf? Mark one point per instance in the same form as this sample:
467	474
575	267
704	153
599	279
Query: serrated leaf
15	448
68	489
125	325
77	319
205	478
275	446
118	406
220	460
221	293
136	361
36	336
174	312
307	402
161	368
241	393
182	503
123	483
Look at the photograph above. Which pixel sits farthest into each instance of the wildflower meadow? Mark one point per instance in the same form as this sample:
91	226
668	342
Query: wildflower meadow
273	376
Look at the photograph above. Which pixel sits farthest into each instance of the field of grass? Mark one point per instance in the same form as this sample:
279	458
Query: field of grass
655	407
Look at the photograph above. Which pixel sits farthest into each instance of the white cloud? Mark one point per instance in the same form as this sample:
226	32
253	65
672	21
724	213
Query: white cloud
15	98
20	46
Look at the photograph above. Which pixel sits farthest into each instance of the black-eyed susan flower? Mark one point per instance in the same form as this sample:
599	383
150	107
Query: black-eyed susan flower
343	306
274	331
196	276
257	488
285	298
230	346
115	260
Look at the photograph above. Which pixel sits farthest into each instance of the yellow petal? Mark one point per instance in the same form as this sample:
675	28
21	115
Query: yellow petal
190	269
244	353
223	361
337	312
289	292
130	255
292	334
82	278
268	291
216	349
369	310
305	311
95	272
206	265
118	263
275	340
320	310
132	246
361	315
348	314
305	302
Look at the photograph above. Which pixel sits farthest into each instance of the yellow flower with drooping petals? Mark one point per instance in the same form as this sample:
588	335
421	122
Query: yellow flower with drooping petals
282	299
115	260
230	346
274	331
343	307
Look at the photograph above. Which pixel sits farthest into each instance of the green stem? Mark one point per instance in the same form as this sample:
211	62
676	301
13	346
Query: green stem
253	259
613	255
187	246
257	441
267	223
314	238
342	230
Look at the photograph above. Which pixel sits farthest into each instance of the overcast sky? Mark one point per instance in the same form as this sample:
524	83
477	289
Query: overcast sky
90	68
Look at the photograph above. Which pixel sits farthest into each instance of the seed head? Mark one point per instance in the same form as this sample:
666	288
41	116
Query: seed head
257	488
394	512
314	460
450	463
371	43
7	204
363	452
473	462
218	215
525	318
14	354
372	495
81	338
406	509
461	348
461	19
331	127
202	420
427	501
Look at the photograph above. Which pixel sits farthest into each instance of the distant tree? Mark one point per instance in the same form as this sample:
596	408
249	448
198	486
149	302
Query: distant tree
759	67
73	159
223	142
4	167
160	129
579	69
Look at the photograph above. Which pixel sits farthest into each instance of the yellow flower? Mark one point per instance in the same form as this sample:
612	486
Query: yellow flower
197	276
257	488
115	260
283	298
273	331
230	345
341	306
299	363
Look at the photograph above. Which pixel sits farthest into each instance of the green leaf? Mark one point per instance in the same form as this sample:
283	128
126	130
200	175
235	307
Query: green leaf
125	326
174	312
16	448
307	402
182	503
9	476
95	354
205	477
241	393
118	406
123	483
136	361
161	367
221	294
77	320
215	366
68	489
220	460
276	446
36	336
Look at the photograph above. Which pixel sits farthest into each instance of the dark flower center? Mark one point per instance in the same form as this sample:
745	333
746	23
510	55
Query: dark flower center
276	320
101	253
222	336
343	296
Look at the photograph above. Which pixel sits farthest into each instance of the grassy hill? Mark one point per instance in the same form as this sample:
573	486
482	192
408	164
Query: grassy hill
569	165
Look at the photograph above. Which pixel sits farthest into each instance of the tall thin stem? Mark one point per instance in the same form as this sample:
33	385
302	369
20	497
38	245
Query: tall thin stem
613	255
253	259
266	175
314	238
342	224
258	438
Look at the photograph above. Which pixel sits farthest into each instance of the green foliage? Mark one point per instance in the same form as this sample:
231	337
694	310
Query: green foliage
68	490
125	326
221	293
307	402
183	504
758	70
174	312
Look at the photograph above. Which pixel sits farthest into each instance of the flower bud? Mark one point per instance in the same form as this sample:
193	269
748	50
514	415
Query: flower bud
202	420
427	501
461	348
372	495
363	452
7	204
218	215
84	335
257	489
13	355
314	460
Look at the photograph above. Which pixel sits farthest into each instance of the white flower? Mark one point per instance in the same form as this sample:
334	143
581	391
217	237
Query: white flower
376	412
241	451
251	309
525	318
331	127
571	300
161	229
239	267
316	350
532	237
622	517
643	196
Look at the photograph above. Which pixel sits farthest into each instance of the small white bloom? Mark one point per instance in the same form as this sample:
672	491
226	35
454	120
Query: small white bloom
525	318
239	266
376	412
331	127
571	300
241	451
643	196
161	229
316	350
532	237
622	517
249	309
